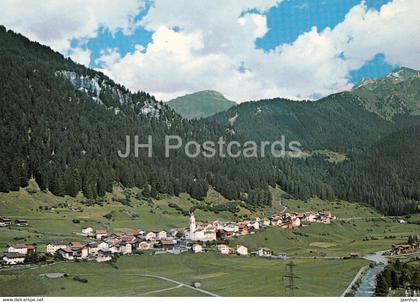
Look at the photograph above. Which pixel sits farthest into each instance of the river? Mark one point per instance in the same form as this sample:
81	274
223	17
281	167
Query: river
368	282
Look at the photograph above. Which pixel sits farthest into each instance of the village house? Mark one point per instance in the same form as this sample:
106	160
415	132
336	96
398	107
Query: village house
54	246
310	217
223	249
254	224
126	248
144	245
103	245
65	253
160	235
265	222
242	250
197	248
21	222
230	227
137	232
92	248
21	248
103	255
88	231
5	221
150	236
264	252
101	233
295	222
173	233
13	258
398	249
276	220
167	244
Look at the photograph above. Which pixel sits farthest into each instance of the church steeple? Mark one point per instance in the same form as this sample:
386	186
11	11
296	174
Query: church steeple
192	226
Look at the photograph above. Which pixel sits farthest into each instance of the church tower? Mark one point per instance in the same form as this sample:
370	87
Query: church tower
192	226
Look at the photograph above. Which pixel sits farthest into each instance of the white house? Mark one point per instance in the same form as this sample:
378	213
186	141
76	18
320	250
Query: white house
241	250
54	246
103	246
150	236
126	249
66	253
115	248
103	255
223	249
92	248
264	222
81	253
230	227
21	248
254	224
87	231
144	245
161	235
101	233
263	252
295	222
13	258
197	248
310	217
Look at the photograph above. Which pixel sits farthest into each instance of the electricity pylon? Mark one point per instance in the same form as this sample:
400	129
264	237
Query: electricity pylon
291	276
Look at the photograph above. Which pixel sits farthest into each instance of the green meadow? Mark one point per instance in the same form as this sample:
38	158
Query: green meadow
357	229
220	275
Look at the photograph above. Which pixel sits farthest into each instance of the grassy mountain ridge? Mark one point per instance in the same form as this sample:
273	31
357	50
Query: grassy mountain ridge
200	104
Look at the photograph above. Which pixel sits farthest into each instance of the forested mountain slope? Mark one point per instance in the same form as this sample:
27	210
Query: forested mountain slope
63	124
385	174
344	121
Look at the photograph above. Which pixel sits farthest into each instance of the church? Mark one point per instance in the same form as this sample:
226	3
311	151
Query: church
201	232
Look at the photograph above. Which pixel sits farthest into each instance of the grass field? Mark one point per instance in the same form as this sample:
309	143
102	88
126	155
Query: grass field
221	275
357	229
49	221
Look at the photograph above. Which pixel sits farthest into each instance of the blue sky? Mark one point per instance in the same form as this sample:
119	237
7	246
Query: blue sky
247	50
285	22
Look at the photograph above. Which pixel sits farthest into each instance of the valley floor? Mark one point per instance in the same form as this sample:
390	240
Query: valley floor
218	274
358	229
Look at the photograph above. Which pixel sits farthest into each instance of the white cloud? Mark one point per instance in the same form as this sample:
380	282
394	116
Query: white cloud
199	45
56	23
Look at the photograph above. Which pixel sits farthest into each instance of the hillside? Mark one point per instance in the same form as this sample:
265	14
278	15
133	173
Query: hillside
397	93
63	124
344	121
387	172
200	104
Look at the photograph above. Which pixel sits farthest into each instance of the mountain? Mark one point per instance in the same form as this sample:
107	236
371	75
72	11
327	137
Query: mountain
397	93
346	121
200	104
63	125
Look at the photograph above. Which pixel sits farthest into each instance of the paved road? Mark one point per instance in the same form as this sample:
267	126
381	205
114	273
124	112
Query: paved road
162	290
357	277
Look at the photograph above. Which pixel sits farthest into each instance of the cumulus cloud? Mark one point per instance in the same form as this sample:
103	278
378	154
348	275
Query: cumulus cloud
198	45
211	45
57	23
